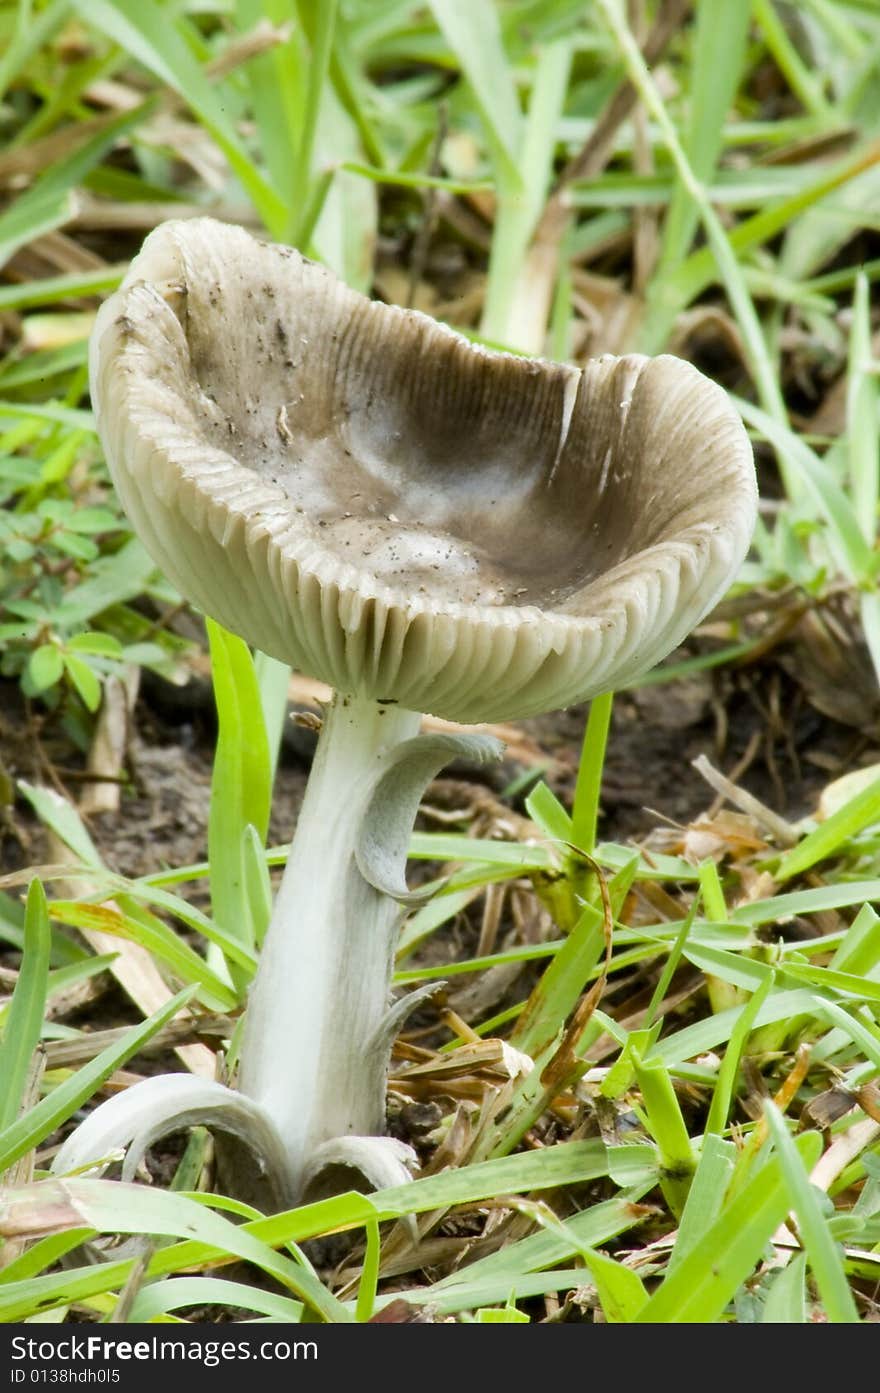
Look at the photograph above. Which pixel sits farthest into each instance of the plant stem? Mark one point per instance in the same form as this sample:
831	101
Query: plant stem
314	1053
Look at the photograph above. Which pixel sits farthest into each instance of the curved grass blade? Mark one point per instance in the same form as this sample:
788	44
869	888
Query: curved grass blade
112	1206
158	1298
64	1100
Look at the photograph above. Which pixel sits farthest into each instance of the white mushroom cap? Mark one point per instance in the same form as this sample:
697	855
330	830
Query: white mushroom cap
360	492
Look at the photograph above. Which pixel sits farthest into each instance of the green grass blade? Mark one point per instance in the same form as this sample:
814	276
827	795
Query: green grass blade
700	1287
621	1290
550	1246
560	986
47	204
723	1094
801	468
188	914
670	967
473	32
785	1303
277	82
241	786
544	808
366	1297
441	846
514	310
859	950
322	17
143	30
825	1257
62	978
109	1206
46	1252
705	1198
24	1021
32	216
257	883
708	1034
863	423
779	907
802	81
699	271
345	232
719	45
667	1127
158	1298
273	679
588	790
32	32
568	1163
729	269
862	810
62	818
135	924
869	613
64	1100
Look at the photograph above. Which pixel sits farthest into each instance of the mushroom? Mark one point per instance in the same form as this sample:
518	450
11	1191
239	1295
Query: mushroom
427	526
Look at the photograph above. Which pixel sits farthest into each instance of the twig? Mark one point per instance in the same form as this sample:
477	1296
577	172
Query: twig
783	833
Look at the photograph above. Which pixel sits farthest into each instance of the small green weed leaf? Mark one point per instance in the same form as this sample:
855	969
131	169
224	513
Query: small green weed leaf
98	644
45	667
84	680
112	580
92	520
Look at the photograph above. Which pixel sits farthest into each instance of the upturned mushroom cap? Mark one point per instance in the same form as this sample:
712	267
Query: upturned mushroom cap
360	492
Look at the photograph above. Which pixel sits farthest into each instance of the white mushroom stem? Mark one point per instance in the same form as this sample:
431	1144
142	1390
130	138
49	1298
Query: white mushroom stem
319	1025
314	1053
